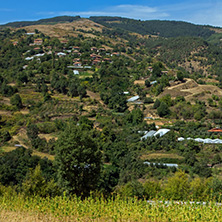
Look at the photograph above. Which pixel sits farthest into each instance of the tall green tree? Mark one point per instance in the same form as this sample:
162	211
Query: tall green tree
178	186
163	109
78	161
16	101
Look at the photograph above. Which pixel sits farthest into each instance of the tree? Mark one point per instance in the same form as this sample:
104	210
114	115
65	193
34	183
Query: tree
36	184
180	76
32	131
16	101
147	83
156	104
163	109
78	161
178	186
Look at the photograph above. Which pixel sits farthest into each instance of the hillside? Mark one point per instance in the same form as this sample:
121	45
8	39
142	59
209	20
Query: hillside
72	28
154	27
54	20
103	107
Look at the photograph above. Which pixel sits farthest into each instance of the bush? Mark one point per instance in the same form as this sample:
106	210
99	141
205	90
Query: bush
148	100
163	110
47	127
16	101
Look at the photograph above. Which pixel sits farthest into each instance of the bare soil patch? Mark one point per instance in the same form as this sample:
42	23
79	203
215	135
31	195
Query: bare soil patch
192	91
64	29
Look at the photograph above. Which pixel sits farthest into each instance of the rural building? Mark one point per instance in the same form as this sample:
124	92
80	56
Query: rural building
133	99
75	72
150	68
93	56
38	42
149	134
94	49
75	48
116	54
215	130
77	64
15	43
164	164
159	133
61	54
200	140
107	60
96	61
153	82
64	41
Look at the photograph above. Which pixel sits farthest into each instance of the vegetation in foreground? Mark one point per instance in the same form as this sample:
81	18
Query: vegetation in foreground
99	209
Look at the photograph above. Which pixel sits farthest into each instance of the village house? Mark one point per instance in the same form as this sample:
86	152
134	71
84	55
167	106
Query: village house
64	41
101	50
75	48
215	130
76	52
61	54
15	43
76	60
98	57
94	49
38	42
96	61
150	68
75	72
93	56
115	54
77	64
107	60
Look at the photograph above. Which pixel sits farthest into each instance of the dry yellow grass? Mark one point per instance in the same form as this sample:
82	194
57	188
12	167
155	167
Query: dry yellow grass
36	153
43	155
60	30
47	136
192	91
160	156
140	82
19	216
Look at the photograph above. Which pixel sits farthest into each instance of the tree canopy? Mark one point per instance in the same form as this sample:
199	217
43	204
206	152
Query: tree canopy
78	161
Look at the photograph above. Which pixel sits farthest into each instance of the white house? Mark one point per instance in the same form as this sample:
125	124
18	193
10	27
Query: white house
76	72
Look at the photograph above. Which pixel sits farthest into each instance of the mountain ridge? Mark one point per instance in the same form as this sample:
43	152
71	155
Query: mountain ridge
162	28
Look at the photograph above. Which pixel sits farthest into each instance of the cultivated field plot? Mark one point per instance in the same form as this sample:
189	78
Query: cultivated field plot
61	108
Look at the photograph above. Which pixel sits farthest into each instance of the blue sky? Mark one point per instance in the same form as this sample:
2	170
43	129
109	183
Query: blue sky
207	12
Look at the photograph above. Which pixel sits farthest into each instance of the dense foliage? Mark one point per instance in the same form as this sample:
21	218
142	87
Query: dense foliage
155	27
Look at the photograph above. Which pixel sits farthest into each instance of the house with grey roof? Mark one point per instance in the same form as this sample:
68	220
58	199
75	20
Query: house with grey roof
133	99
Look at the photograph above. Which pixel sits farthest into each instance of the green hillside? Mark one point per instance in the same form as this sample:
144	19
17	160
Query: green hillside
155	27
42	21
